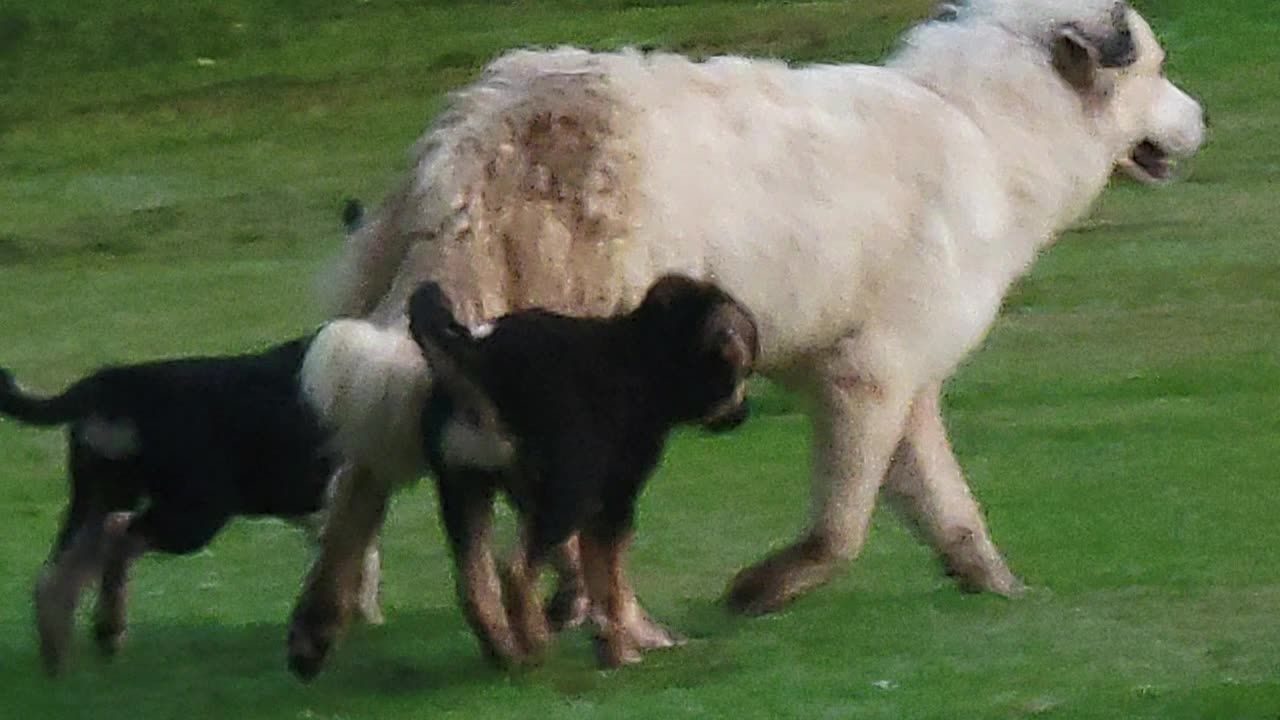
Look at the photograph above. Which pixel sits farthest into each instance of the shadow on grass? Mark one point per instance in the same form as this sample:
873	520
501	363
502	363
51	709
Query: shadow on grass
204	663
417	653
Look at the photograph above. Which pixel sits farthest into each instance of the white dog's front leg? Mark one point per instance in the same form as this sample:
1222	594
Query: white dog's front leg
858	421
927	487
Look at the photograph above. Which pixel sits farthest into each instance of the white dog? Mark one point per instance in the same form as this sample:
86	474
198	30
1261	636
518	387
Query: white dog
871	217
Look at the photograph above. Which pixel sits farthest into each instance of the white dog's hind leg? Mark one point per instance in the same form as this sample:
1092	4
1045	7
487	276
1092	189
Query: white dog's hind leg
370	584
371	574
332	589
927	487
858	421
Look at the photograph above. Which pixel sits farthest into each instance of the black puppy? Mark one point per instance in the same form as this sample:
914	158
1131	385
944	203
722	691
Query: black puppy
161	456
568	416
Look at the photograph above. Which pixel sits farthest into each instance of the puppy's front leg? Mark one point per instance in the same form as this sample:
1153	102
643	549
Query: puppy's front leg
606	586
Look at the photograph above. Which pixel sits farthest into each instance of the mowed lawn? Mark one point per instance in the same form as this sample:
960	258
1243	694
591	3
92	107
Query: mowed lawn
171	176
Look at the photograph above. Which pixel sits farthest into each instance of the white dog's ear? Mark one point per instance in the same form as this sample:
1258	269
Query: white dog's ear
1075	57
1078	55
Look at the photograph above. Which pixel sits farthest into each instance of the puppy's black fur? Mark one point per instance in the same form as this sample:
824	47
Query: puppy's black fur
186	445
587	404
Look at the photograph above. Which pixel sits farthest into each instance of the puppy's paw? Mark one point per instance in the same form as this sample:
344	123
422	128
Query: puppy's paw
615	650
109	638
568	609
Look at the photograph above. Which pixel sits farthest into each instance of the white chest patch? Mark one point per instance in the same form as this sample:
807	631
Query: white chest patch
113	439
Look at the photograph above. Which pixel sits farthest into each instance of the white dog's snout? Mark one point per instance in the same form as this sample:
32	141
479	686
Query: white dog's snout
1180	122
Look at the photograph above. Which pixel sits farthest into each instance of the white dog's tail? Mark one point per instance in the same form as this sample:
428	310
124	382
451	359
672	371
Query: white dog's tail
368	384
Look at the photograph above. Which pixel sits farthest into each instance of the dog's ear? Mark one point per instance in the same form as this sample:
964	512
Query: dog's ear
733	335
1078	55
1075	57
1118	49
430	312
669	290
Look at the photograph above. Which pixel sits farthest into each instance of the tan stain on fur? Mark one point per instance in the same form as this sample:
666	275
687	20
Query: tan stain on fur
546	166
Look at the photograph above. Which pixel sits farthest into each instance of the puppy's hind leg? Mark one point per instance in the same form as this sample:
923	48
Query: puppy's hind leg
569	606
177	527
58	589
466	509
523	602
111	615
75	560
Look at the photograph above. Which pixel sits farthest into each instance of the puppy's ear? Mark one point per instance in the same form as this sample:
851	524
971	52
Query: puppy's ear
431	314
670	290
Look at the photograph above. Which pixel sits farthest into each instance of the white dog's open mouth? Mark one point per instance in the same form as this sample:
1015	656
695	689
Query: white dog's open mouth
1148	163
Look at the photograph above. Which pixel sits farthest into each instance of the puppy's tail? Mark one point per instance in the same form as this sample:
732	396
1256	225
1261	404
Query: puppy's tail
57	410
480	439
368	385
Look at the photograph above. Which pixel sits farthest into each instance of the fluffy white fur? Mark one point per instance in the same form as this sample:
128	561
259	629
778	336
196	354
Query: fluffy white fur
369	384
871	217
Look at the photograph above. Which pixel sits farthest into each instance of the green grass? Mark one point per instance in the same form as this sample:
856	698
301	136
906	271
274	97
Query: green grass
1121	424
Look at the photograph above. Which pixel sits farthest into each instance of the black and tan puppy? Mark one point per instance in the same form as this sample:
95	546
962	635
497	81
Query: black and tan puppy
161	455
568	416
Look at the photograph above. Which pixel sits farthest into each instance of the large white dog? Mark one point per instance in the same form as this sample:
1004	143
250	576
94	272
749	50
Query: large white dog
871	217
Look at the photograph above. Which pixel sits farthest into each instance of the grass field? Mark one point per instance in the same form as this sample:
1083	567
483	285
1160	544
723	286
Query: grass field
170	181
